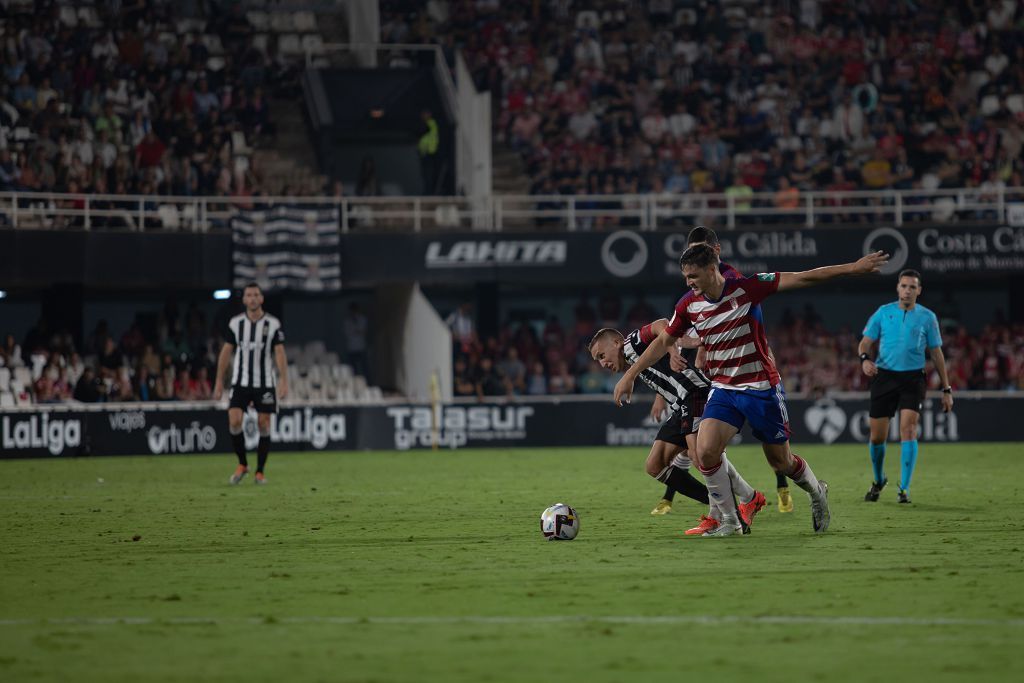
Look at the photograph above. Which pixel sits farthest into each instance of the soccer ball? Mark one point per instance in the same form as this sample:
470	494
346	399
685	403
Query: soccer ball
559	523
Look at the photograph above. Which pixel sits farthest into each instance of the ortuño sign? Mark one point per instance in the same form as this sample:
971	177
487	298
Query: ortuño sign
652	257
52	431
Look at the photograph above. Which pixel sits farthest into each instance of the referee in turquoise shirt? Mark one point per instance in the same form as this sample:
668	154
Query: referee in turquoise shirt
904	330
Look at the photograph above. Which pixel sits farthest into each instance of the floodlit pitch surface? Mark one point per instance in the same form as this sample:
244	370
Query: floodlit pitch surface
431	567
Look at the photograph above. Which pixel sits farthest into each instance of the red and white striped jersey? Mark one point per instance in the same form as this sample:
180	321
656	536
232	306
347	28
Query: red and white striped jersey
731	328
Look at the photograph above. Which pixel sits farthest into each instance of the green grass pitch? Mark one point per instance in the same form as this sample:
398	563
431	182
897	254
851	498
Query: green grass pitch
428	566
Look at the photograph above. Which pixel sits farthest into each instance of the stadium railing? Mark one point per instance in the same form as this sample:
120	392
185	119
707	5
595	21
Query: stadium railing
51	210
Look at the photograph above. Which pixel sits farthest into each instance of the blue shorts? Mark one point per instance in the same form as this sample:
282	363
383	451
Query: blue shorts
765	410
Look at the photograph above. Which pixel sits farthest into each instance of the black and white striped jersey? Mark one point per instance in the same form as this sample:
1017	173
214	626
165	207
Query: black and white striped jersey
254	342
675	387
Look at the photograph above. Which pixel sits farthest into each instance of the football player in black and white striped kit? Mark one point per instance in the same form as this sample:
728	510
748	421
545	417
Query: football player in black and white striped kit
682	394
253	346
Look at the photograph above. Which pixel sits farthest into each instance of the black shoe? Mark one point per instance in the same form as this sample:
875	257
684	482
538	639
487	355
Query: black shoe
872	495
902	497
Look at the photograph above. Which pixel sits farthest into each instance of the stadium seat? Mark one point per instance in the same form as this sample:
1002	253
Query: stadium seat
259	41
304	21
282	22
315	350
329	358
23	376
313	44
5	378
88	16
68	16
169	217
447	215
189	217
1015	103
289	44
259	19
213	44
6	399
588	19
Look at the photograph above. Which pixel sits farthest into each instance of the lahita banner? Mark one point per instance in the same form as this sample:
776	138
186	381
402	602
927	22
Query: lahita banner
286	248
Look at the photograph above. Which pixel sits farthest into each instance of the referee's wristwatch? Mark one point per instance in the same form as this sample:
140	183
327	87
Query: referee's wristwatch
947	390
864	357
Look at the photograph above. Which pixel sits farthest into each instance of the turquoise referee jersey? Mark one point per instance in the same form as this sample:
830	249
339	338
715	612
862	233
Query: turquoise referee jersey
904	335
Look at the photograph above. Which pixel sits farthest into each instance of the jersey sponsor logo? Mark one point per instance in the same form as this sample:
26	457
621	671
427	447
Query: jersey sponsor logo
474	253
39	431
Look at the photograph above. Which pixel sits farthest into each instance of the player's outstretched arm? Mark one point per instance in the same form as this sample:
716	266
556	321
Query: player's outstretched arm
223	363
871	263
655	350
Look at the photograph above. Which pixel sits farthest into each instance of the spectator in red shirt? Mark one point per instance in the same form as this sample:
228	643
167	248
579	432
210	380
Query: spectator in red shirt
150	151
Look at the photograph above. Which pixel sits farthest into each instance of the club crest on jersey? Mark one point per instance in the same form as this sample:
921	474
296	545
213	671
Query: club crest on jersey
733	304
766	277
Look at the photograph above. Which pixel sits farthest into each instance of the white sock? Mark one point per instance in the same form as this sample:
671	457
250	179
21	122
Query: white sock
720	491
681	461
803	477
743	490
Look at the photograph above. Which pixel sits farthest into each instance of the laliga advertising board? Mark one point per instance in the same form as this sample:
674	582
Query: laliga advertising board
49	432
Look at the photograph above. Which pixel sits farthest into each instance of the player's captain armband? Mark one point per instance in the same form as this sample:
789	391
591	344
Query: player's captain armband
766	277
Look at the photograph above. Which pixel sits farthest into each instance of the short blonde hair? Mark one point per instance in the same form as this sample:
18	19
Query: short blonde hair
602	333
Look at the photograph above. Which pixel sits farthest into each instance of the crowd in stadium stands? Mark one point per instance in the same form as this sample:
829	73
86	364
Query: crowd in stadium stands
524	360
687	96
171	357
125	103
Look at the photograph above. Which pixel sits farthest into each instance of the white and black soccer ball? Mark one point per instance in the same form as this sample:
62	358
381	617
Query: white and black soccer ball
560	523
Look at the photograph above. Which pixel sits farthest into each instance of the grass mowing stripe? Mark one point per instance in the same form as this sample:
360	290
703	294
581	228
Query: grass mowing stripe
528	621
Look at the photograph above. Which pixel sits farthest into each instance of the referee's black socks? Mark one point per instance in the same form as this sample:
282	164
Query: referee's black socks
238	441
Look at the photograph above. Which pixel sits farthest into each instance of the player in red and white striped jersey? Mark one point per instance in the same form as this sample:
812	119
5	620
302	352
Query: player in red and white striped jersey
704	235
746	385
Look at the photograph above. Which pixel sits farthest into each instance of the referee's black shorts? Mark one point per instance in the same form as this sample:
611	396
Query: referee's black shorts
264	400
892	391
683	422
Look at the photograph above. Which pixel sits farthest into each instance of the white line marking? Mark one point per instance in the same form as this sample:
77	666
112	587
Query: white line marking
510	620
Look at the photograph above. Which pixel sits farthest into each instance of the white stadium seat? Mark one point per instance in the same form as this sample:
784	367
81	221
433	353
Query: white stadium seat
282	22
259	20
289	44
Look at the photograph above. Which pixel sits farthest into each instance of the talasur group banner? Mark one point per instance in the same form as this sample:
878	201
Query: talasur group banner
48	432
653	257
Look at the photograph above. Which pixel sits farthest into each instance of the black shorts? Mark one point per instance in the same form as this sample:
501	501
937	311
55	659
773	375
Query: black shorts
683	422
264	400
892	391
